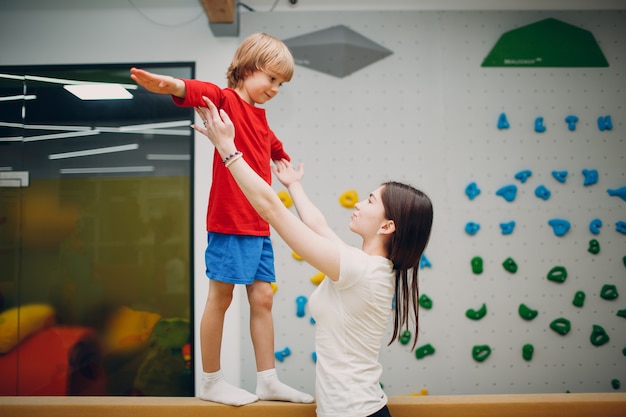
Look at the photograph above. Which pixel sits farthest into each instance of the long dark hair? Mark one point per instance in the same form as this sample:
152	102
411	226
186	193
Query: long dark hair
412	213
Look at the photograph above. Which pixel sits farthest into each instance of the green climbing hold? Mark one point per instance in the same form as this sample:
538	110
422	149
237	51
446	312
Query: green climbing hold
609	292
624	351
615	383
527	313
405	337
579	299
477	314
557	274
527	351
424	350
621	313
594	246
510	265
426	302
599	336
561	325
481	352
546	43
477	265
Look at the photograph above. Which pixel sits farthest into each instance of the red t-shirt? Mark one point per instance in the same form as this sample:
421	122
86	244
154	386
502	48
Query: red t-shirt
229	211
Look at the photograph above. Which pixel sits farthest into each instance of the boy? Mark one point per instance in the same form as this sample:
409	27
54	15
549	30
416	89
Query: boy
239	250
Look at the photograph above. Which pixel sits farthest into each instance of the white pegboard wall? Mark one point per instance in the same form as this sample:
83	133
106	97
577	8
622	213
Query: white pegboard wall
428	115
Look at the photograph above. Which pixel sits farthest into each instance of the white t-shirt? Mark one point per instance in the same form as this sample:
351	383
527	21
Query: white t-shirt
351	317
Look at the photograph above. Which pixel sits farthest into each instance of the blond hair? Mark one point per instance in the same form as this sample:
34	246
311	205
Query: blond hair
260	52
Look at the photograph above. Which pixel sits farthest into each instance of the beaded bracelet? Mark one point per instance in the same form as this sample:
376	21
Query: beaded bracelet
232	155
232	159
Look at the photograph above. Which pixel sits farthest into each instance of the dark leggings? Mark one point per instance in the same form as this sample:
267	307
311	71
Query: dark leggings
383	412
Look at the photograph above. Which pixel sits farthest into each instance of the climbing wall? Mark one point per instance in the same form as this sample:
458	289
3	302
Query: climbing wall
524	280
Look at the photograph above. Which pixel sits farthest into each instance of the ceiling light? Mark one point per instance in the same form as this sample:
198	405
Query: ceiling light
98	151
63	135
168	157
99	91
18	97
106	170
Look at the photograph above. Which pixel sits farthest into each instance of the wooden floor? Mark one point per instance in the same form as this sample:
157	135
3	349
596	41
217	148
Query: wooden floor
509	405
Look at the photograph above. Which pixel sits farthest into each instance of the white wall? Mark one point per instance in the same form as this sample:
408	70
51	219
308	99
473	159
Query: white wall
426	115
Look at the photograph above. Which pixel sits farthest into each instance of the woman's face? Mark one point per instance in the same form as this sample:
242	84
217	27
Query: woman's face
368	215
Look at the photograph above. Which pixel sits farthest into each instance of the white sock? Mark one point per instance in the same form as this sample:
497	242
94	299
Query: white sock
215	388
269	388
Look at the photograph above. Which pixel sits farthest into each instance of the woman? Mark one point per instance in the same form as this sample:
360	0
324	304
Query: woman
352	306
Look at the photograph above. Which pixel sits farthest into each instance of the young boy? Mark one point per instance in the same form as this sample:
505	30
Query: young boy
239	249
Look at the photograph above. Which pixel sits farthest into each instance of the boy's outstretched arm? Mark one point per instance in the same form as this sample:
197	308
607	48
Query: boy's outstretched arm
160	84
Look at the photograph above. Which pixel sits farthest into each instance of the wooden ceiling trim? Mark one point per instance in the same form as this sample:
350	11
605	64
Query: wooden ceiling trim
219	11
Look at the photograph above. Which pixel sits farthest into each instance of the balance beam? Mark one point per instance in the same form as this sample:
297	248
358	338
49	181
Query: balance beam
501	405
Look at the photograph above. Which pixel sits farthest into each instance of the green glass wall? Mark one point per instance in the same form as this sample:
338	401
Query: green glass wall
95	235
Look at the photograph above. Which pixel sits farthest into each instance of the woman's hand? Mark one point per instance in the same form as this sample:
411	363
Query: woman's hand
286	173
217	126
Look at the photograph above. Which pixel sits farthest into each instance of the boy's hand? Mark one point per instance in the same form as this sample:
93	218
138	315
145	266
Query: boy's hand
160	84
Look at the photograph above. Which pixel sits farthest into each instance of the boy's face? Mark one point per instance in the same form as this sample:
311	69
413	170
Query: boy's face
260	86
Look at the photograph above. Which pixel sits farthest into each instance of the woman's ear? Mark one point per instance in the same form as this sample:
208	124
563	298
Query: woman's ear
386	228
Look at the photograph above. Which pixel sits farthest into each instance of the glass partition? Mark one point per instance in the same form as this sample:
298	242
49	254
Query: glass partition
95	233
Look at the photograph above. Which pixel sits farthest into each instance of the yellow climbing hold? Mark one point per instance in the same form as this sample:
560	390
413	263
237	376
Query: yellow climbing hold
285	198
349	199
296	256
274	287
317	278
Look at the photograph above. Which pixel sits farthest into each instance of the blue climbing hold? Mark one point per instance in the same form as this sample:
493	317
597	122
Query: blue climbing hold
619	192
559	226
595	225
300	303
424	262
542	192
604	123
571	122
539	127
507	228
472	190
620	226
591	176
560	176
503	123
471	228
523	175
282	354
508	192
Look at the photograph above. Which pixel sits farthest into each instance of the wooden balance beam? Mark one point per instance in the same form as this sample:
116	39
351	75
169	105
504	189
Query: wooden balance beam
501	405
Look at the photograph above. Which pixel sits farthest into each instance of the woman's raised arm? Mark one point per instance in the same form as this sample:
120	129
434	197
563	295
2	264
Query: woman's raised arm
319	251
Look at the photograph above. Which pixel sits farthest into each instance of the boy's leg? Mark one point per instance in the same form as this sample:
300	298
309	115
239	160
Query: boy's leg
212	324
261	299
269	387
214	387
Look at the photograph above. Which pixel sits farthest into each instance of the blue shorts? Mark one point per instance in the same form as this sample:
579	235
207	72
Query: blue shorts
239	259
